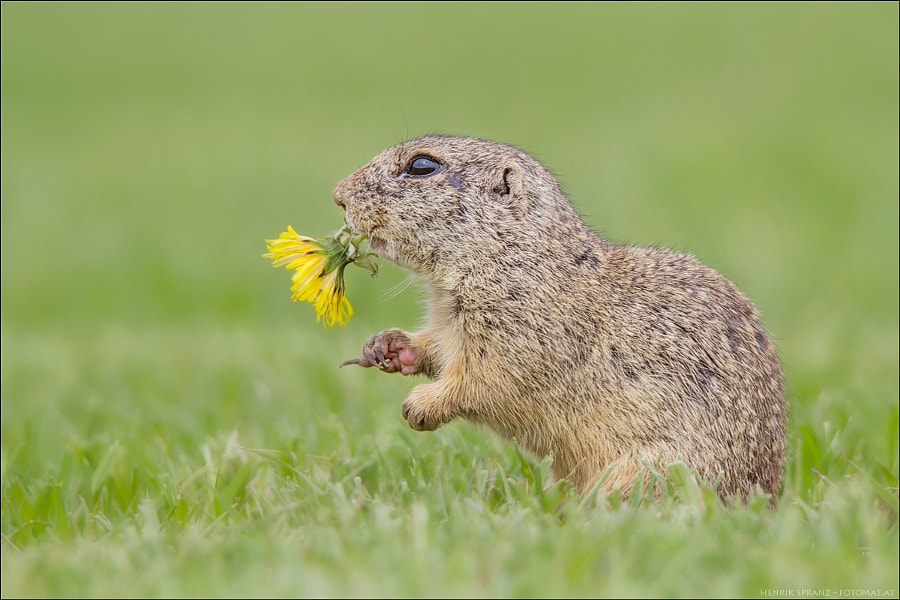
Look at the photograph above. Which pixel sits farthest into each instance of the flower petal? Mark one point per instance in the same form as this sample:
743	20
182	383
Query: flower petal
318	267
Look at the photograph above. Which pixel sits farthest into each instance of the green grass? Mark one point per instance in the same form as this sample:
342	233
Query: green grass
172	425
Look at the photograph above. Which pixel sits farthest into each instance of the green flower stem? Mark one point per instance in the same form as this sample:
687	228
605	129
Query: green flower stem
343	247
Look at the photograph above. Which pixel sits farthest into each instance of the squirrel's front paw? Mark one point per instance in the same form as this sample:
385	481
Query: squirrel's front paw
423	410
390	350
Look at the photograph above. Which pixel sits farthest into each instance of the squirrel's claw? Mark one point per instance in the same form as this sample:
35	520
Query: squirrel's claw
389	351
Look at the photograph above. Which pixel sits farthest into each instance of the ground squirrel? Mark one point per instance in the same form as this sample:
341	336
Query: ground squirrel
600	355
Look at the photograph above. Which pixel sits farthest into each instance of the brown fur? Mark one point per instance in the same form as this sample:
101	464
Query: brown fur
600	355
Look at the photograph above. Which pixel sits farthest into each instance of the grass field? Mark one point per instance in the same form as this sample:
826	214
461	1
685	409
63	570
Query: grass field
172	425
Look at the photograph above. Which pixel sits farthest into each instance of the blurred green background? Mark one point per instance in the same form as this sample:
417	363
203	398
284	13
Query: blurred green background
148	150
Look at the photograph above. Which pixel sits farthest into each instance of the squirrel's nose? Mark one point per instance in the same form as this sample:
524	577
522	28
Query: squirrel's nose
340	192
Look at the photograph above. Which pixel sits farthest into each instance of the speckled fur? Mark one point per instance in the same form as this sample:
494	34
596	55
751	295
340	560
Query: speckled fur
600	355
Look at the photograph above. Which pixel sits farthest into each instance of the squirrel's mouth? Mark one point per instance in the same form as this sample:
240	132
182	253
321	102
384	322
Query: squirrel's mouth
385	248
379	245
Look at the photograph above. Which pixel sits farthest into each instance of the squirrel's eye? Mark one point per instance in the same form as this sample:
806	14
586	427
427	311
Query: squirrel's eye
421	166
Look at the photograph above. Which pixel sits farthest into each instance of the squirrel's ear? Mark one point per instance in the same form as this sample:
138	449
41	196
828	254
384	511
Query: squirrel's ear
510	188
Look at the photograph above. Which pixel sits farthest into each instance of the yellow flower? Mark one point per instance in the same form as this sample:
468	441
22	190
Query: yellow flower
319	269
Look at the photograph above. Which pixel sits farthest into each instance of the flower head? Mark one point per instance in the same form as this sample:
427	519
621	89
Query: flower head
319	269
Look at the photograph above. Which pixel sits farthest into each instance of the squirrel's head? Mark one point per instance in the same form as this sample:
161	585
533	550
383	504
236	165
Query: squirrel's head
435	199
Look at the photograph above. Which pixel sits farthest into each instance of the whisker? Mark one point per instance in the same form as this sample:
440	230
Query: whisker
399	288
